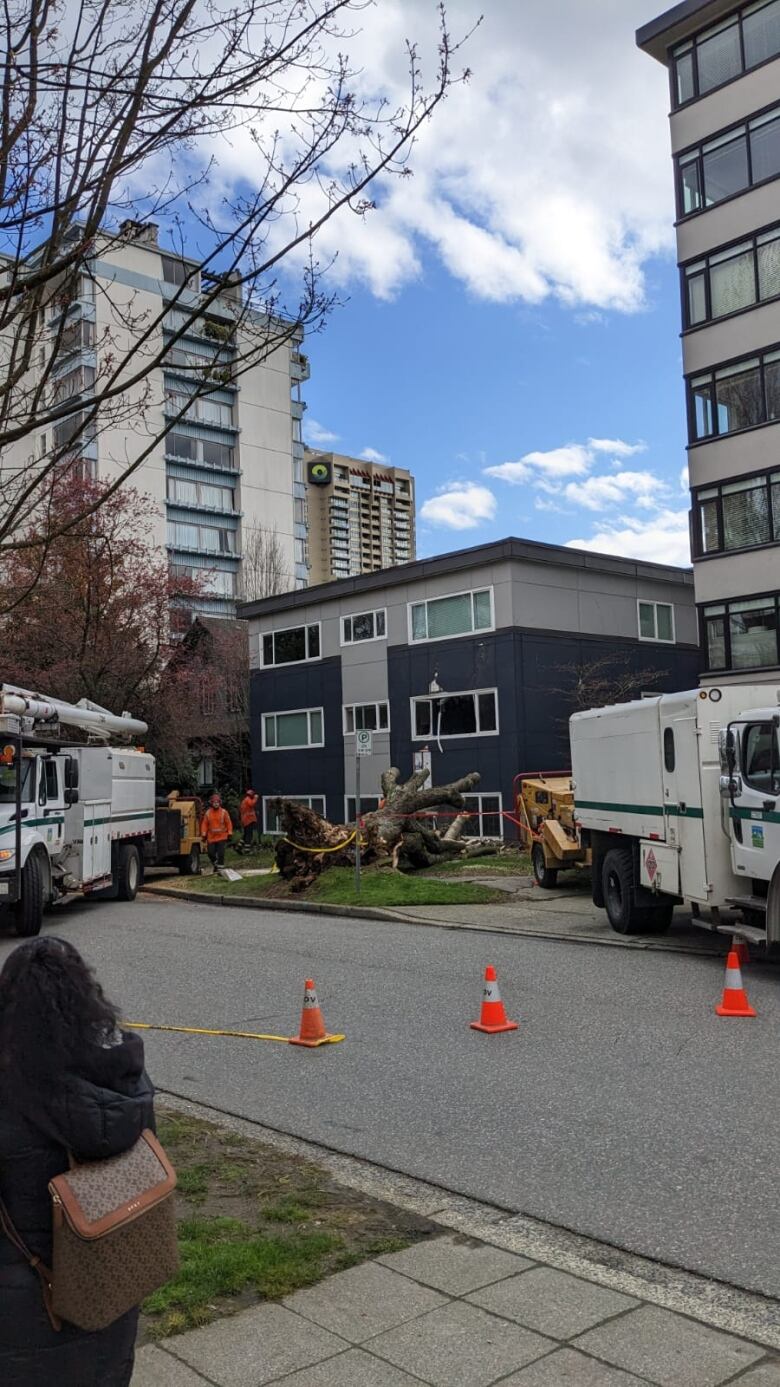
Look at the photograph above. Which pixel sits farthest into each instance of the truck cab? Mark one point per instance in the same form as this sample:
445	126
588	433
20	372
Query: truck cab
750	787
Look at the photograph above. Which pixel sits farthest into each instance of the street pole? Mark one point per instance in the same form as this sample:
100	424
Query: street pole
358	759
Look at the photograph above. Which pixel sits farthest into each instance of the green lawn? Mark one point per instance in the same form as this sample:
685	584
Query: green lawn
255	1223
379	887
512	864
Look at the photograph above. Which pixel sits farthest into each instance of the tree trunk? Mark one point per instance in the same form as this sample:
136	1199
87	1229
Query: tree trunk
402	830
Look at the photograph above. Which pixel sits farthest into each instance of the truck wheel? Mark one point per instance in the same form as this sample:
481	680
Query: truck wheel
658	919
128	872
29	911
617	877
545	876
189	863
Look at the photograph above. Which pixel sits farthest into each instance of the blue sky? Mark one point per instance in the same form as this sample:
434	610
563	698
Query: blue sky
441	382
517	298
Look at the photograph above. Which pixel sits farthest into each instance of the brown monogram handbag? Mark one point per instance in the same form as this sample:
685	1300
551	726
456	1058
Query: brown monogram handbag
113	1236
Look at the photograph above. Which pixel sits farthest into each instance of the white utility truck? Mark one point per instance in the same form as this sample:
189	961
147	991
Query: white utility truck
74	817
678	799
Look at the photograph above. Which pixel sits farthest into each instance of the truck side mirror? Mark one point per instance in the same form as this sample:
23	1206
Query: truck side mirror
71	797
71	776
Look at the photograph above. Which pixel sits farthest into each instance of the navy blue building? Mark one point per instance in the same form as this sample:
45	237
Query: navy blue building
472	660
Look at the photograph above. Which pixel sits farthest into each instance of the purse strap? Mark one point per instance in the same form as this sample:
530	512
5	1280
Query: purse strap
39	1266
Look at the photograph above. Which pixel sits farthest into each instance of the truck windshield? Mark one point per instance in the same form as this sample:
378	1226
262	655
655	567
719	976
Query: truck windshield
8	783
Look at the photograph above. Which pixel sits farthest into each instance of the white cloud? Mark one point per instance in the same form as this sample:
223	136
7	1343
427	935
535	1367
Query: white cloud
663	538
526	183
597	492
372	455
685	481
616	447
460	506
573	460
318	435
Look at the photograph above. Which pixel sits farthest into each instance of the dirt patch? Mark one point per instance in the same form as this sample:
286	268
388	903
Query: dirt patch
256	1223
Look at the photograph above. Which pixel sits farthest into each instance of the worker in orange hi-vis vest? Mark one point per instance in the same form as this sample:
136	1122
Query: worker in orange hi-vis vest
247	811
216	827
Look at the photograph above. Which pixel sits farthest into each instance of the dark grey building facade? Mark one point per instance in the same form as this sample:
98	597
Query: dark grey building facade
461	662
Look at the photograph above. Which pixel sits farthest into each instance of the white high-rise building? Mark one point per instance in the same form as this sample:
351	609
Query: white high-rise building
229	474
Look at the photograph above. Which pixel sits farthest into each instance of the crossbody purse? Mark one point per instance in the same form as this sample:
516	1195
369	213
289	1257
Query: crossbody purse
113	1236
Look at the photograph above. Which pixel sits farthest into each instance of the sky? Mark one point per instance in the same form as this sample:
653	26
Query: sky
509	328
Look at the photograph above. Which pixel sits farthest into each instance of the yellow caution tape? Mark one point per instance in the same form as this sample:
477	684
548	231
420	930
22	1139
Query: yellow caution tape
338	847
237	1035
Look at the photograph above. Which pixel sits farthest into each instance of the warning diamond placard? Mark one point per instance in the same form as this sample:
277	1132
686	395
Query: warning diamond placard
651	864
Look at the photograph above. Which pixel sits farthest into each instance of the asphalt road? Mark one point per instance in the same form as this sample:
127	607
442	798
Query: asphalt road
623	1108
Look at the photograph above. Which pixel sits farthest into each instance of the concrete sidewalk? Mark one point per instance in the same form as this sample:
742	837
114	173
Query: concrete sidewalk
457	1312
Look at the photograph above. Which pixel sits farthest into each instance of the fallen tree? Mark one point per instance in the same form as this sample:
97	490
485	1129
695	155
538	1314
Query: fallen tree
404	831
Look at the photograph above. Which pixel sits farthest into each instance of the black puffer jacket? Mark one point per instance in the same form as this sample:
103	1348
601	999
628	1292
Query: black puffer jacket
99	1111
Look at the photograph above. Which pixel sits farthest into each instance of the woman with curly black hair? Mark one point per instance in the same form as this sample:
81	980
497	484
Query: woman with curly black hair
71	1083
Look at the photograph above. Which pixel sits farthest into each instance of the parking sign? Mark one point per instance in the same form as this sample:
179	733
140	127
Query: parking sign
364	740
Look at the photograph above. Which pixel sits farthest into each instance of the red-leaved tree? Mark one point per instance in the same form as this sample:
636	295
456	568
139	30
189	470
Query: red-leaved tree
89	615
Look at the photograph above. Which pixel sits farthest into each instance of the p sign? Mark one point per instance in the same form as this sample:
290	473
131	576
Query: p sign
363	742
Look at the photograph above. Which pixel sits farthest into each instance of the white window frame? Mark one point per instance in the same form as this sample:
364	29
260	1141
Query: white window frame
282	630
293	712
655	639
363	809
487	813
442	597
365	640
433	736
297	799
378	731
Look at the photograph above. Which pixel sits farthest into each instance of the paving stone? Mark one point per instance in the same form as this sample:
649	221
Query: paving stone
668	1349
364	1301
153	1368
568	1368
460	1346
352	1369
255	1347
455	1265
765	1375
552	1302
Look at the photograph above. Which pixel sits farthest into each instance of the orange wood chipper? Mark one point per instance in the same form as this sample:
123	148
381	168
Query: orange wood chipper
544	806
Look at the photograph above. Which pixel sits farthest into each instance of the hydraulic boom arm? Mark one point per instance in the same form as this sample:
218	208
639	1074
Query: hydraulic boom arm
84	714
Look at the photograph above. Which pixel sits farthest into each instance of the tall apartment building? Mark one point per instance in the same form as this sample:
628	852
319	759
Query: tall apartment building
360	516
724	68
232	467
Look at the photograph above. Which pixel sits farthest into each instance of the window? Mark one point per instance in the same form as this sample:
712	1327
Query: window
71	428
292	646
204	409
725	50
201	450
49	786
734	397
76	335
271	823
286	731
362	717
760	757
486	817
364	626
669	758
205	771
458	615
72	383
656	621
207	495
741	634
733	279
455	715
729	164
368	804
208	698
174	271
738	515
210	539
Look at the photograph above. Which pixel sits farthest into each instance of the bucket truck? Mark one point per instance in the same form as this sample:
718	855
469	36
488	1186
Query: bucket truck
75	816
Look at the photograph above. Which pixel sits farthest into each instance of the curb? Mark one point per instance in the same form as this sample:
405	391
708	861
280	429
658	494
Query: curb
397	917
354	912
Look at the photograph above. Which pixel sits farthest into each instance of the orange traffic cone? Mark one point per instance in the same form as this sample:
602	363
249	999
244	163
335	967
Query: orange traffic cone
740	947
492	1017
312	1032
735	1002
